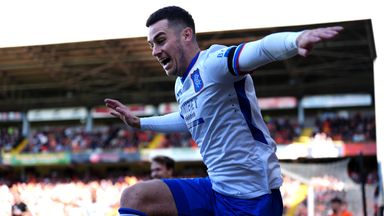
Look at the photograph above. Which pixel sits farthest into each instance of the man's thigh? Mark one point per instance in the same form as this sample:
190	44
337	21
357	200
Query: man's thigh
268	204
193	196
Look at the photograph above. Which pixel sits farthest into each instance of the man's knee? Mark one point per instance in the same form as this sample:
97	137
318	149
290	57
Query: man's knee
150	197
134	196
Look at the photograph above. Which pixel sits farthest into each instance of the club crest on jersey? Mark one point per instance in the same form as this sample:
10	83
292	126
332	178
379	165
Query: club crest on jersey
197	81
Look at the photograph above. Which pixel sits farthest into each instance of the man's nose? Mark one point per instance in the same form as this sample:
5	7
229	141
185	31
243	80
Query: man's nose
156	51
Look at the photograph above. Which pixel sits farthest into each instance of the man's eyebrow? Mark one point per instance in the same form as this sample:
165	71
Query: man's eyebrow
156	36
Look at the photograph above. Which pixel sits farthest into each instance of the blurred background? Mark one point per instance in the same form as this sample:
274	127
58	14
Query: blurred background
61	148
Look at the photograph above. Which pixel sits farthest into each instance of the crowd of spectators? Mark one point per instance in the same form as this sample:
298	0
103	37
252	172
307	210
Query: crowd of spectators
283	130
104	138
357	128
85	196
62	198
9	136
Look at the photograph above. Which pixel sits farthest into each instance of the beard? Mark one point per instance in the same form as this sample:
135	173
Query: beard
181	65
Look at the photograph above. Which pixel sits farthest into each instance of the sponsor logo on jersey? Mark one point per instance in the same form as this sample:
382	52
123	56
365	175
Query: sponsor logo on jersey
197	81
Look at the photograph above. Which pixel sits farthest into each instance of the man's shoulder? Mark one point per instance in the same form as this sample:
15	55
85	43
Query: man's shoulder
216	48
214	54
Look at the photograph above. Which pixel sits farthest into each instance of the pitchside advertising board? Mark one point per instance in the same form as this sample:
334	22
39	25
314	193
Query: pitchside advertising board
10	116
56	114
314	149
135	109
66	158
74	113
36	159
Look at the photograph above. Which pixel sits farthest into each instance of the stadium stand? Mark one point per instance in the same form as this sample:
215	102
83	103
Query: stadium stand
63	163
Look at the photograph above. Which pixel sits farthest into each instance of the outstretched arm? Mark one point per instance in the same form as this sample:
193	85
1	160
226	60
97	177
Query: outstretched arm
279	46
167	123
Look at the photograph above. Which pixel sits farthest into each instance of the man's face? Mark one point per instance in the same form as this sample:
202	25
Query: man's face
160	171
165	42
335	206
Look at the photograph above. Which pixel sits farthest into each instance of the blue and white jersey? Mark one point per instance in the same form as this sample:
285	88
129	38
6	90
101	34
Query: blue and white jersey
221	111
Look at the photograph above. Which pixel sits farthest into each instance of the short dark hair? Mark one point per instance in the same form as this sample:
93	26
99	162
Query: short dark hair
336	200
173	14
166	161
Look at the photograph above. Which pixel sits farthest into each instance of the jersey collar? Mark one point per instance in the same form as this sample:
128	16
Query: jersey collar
190	67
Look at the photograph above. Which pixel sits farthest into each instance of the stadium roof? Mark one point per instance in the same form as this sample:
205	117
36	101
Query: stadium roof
84	73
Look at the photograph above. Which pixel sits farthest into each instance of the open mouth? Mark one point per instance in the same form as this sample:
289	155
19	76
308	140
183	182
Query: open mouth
165	61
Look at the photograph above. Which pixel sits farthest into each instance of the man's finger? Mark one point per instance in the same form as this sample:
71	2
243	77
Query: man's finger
303	52
336	28
116	114
112	102
109	105
121	111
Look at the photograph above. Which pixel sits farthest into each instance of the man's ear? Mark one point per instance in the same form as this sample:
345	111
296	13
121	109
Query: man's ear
187	34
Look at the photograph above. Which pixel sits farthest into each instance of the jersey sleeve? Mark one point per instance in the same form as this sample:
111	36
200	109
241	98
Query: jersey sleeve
247	57
168	123
228	64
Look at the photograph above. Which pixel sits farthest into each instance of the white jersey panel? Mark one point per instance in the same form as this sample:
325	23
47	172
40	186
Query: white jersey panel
222	114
